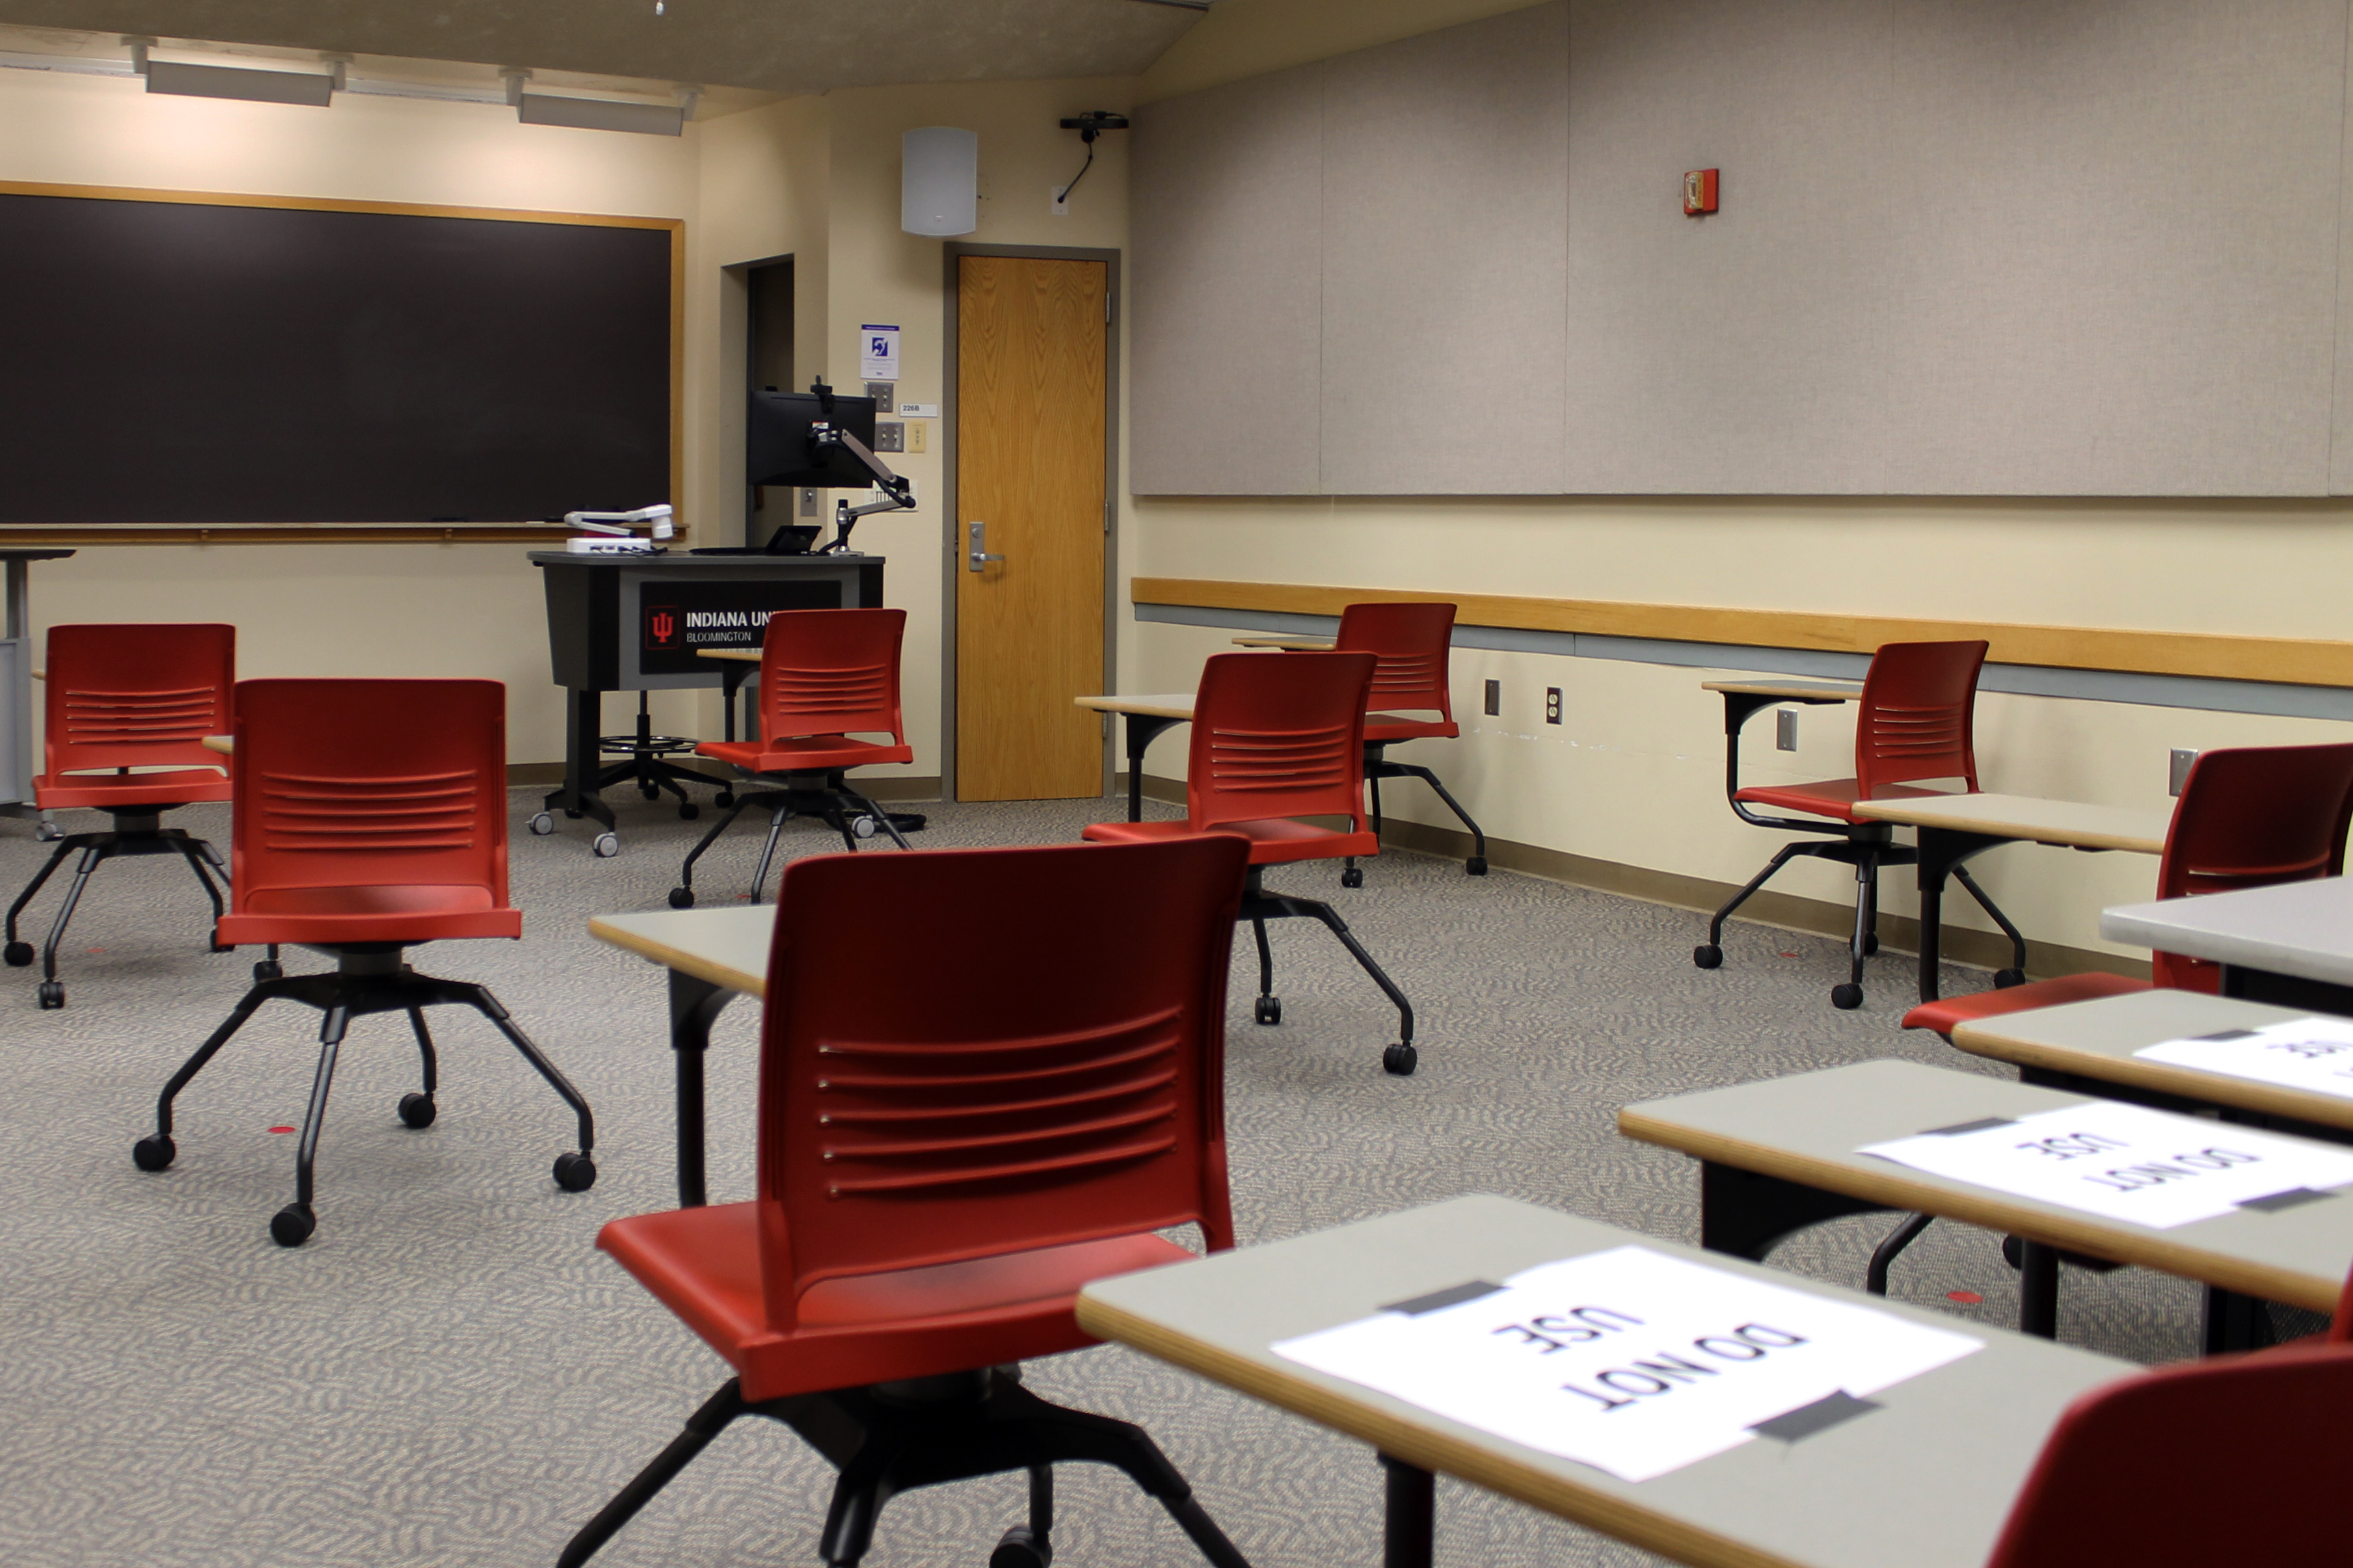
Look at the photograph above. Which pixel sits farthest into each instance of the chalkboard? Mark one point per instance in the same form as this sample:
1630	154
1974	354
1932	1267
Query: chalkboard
186	362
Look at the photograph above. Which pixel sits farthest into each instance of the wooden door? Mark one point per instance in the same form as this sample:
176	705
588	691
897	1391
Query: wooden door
1031	343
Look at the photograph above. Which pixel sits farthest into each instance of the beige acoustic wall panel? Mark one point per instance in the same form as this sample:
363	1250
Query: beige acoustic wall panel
1224	320
1446	260
2038	246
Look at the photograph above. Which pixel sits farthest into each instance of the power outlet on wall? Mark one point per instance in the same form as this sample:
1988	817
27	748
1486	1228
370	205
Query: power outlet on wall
1785	729
1552	704
1494	698
2177	776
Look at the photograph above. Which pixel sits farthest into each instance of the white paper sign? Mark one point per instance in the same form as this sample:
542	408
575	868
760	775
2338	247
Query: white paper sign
1630	1361
2314	1053
2123	1162
878	353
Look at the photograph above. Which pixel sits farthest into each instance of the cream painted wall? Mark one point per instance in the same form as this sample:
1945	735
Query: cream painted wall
474	609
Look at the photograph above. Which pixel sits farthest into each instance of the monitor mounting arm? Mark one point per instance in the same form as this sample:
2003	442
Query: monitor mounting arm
898	495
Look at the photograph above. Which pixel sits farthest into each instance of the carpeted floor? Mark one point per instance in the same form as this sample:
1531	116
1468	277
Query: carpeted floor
450	1373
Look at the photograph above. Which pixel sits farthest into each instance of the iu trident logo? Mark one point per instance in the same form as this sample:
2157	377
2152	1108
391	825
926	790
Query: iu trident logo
664	624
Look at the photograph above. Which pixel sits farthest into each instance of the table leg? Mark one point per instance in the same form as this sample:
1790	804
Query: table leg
694	1006
2038	1289
1942	851
1409	1530
730	680
1142	729
1745	1213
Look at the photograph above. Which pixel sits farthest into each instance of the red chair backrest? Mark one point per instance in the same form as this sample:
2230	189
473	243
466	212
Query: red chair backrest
2248	817
1918	714
2237	1459
831	672
1412	643
137	696
972	1052
368	783
1278	735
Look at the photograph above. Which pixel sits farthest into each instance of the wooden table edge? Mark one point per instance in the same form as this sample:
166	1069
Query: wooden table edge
1294	644
685	962
2191	1083
1906	1191
741	655
1887	810
1788	691
1619	1518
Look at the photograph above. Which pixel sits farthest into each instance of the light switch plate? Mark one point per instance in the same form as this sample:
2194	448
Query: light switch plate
1785	729
809	501
2177	775
889	436
1494	698
883	393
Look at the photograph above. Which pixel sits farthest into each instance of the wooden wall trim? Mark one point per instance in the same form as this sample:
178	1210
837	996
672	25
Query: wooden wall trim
2298	661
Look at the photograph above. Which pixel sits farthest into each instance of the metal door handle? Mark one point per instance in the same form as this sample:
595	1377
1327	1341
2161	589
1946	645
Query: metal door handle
978	557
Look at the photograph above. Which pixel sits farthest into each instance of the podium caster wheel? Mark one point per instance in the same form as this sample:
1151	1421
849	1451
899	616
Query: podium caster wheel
1269	1010
1351	878
681	898
292	1225
1400	1060
688	811
2005	978
1869	945
17	953
53	995
1019	1549
607	846
1846	998
154	1154
1708	955
575	1173
47	832
417	1111
269	969
1475	866
542	824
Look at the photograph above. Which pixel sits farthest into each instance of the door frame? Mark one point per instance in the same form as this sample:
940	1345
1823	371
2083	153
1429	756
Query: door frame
951	534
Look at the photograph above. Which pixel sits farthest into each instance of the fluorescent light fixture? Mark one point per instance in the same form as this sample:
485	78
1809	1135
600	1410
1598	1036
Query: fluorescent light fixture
186	81
600	114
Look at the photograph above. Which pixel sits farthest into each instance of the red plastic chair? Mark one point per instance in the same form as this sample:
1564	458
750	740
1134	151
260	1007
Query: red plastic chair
119	698
2235	1459
1275	739
370	817
825	676
1413	643
2248	817
1915	721
960	1128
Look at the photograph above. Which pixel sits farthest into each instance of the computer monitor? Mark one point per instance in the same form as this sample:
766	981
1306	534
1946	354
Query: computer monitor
776	449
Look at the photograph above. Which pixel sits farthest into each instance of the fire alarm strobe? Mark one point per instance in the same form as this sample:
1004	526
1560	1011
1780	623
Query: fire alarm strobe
1699	192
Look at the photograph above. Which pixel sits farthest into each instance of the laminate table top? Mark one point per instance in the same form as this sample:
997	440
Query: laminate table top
1788	690
2303	929
2066	824
1165	705
727	947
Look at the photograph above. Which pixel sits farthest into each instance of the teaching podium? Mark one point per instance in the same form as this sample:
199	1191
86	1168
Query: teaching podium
642	622
17	758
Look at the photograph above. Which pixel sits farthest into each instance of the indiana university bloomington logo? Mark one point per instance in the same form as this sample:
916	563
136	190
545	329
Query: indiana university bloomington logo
662	629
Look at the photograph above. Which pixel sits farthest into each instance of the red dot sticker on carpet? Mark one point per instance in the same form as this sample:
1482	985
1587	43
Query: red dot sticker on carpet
1966	1297
1788	955
281	1129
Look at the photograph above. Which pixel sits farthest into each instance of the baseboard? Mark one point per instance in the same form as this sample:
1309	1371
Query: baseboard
1962	944
521	774
877	786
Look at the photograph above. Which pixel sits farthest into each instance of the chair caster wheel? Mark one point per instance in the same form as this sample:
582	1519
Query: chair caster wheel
543	824
1708	955
651	794
724	799
1869	945
2004	979
17	953
1846	998
1400	1060
269	969
607	846
681	898
1269	1010
688	811
53	995
863	827
1019	1549
47	832
154	1154
575	1173
1475	866
1351	878
292	1225
418	1111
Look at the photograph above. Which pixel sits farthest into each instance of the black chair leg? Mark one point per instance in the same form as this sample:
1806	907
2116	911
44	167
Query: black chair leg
21	953
1874	1278
430	1063
1400	1058
1269	1007
1477	864
2016	974
701	1427
193	850
1031	1546
880	817
711	836
479	998
292	1225
1712	954
768	850
196	1063
52	994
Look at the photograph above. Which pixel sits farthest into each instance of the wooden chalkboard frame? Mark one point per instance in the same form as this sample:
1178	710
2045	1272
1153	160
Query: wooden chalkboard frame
18	535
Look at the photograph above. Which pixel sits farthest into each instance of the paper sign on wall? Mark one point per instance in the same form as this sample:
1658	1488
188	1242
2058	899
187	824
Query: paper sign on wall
2123	1162
1630	1361
878	353
2315	1054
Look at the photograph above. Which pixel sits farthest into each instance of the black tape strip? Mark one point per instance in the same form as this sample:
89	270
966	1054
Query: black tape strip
1957	1128
2290	1197
2220	1035
1452	1296
1808	1419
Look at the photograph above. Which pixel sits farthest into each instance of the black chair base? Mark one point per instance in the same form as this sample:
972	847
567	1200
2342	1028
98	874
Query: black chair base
1258	906
893	1438
825	795
370	979
1379	767
136	831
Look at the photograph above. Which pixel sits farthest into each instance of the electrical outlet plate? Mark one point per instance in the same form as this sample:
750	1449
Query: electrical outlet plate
2177	775
1552	704
1057	203
809	501
1494	698
883	393
1785	729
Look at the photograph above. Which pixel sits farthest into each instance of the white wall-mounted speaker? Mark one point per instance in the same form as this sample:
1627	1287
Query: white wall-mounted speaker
939	180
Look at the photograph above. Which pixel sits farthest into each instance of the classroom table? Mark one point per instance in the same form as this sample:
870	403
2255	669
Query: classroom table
1146	718
1926	1480
1957	828
713	956
1289	644
2291	944
1778	1155
2087	1047
742	665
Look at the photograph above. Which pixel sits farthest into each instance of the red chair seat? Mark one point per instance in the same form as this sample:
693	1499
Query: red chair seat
1833	798
704	1264
1951	1012
1385	727
803	753
180	787
398	912
1273	842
